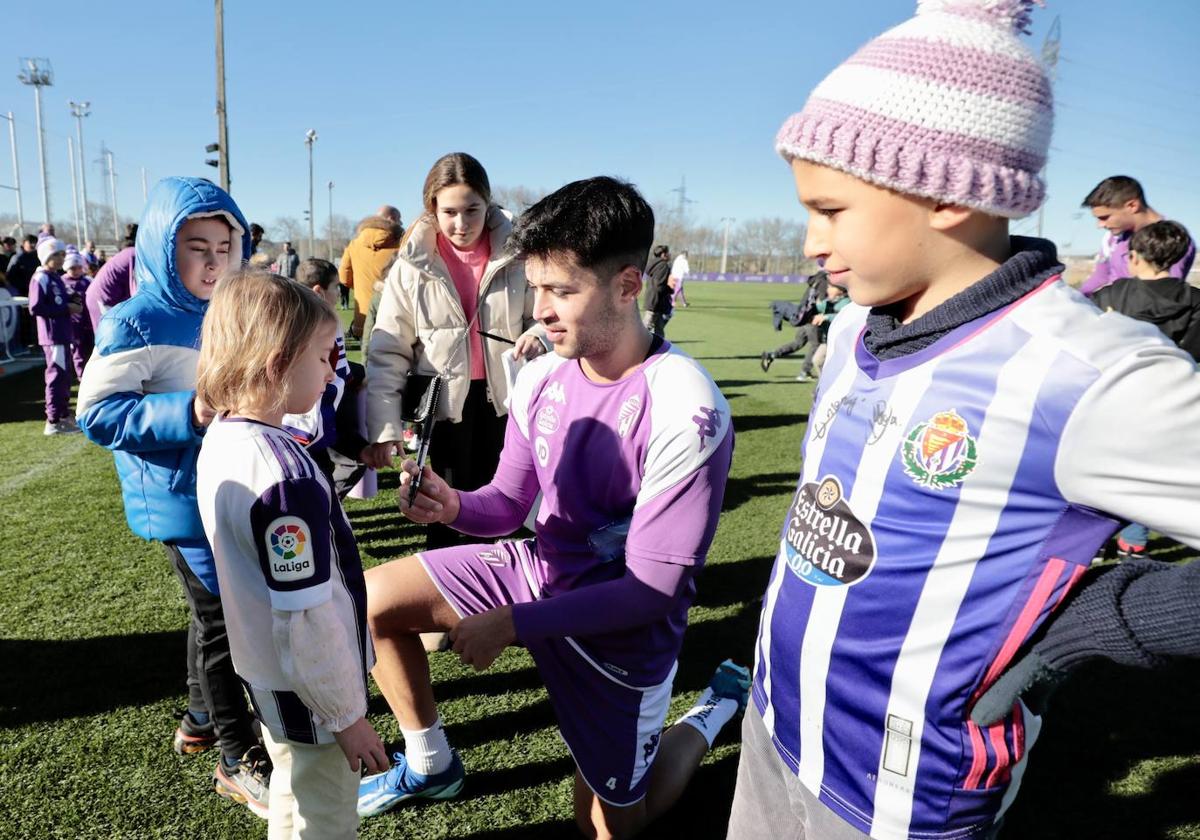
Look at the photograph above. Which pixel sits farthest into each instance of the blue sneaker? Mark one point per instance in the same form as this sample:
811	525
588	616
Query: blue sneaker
384	791
733	682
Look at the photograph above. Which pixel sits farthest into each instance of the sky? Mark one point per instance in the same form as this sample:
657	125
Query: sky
544	92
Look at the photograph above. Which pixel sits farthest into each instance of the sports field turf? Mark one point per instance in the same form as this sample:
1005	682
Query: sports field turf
92	633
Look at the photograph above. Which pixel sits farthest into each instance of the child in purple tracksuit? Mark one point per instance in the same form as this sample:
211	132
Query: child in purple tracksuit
50	302
83	336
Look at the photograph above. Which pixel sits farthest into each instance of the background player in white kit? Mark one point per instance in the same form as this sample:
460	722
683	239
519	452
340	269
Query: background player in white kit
615	427
290	574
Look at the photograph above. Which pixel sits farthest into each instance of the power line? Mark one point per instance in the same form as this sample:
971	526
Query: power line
1140	86
1174	175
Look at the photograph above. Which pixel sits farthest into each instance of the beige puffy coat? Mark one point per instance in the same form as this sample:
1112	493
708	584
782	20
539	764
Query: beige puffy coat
421	324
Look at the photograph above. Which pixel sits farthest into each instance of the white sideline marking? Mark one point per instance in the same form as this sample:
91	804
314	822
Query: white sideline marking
18	482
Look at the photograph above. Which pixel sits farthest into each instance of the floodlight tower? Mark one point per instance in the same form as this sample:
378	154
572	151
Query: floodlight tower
330	231
79	110
310	137
38	73
725	240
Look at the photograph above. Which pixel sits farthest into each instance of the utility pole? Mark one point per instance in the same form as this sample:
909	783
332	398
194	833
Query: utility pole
725	241
74	190
684	201
1050	62
16	185
145	194
310	137
112	182
330	231
79	110
39	74
222	122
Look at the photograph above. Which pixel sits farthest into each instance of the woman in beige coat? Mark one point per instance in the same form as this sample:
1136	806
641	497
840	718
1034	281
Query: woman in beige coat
452	281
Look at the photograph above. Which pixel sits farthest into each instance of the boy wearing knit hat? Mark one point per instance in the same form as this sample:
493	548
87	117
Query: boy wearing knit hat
960	472
83	336
51	304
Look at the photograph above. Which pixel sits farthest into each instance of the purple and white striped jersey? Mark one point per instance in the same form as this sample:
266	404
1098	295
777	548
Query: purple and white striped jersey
315	428
282	543
948	501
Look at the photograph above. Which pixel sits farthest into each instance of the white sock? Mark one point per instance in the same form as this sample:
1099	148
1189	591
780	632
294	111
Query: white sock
709	715
427	750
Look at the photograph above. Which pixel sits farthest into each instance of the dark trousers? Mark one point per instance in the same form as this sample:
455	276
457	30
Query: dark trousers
213	685
58	381
81	351
658	323
344	291
343	473
466	454
807	336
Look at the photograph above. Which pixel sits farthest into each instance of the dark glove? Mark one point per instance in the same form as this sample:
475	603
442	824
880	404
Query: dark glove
1029	678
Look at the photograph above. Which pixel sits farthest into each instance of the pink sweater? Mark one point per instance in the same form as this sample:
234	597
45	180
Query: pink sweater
466	270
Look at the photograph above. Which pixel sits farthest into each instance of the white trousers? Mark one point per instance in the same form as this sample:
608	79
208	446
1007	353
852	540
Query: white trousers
314	794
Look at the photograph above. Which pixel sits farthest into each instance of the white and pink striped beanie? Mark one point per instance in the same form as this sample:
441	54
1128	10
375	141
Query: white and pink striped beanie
948	105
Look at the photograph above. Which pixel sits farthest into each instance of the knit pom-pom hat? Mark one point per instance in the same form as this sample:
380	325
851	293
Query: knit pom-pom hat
949	105
48	247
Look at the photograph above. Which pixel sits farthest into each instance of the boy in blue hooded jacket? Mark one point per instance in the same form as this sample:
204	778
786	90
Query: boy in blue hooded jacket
138	399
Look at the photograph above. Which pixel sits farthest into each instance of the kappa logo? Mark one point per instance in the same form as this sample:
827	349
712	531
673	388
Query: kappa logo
547	420
708	423
556	393
940	452
631	409
288	554
542	449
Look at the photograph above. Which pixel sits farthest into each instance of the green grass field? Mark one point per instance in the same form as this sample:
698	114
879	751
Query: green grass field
92	626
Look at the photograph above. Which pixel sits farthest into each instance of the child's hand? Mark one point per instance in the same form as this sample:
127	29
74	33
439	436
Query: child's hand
361	745
379	455
528	347
74	308
201	413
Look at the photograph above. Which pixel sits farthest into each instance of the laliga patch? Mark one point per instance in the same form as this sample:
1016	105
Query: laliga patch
631	409
547	420
289	549
940	452
824	543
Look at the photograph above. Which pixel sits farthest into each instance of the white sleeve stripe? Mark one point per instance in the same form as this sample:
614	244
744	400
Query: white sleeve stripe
171	368
530	377
683	399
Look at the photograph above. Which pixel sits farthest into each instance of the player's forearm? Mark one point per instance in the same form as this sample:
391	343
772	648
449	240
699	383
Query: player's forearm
501	506
489	512
321	664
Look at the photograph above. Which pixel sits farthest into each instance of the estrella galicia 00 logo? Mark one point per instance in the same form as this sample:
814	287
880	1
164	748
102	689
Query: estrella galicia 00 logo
940	452
824	543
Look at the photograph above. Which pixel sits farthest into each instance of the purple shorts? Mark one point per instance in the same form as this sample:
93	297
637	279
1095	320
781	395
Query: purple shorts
611	728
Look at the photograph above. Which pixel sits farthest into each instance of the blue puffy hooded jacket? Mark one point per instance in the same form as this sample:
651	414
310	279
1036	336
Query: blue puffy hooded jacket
137	391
